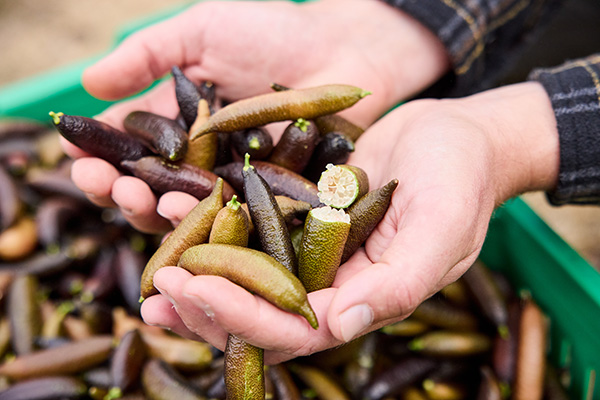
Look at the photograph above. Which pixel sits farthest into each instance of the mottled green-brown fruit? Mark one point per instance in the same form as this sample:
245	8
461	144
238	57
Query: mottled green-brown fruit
244	370
365	214
288	105
230	225
192	230
323	240
254	270
323	384
244	365
47	387
330	122
157	132
202	152
341	185
69	358
445	343
296	145
267	219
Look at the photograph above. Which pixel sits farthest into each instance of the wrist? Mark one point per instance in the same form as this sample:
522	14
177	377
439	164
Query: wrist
524	137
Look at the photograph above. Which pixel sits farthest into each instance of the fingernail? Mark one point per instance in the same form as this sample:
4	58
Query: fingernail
204	306
166	294
355	320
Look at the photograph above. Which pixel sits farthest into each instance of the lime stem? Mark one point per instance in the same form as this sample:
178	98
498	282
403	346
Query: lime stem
247	162
56	117
234	204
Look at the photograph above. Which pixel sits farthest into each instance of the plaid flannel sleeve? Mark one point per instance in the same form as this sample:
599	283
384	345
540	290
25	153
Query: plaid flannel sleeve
574	90
482	37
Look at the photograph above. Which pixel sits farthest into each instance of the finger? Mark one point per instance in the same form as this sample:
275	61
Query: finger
95	177
174	206
158	311
71	150
138	205
257	321
170	282
141	59
159	100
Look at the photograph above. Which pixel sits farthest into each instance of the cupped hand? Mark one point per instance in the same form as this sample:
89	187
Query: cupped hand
456	160
242	47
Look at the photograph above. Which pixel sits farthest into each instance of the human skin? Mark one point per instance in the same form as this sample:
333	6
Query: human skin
242	48
456	160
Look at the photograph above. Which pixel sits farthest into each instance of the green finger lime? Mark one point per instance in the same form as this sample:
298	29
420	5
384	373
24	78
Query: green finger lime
341	185
325	233
253	270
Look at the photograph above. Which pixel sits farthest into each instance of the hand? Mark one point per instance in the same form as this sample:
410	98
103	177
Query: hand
242	47
456	160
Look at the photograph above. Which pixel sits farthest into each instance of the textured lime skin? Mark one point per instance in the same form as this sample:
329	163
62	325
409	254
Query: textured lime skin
365	214
192	230
321	251
254	270
244	370
288	105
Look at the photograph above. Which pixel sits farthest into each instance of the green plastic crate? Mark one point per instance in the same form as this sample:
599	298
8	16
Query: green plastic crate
519	243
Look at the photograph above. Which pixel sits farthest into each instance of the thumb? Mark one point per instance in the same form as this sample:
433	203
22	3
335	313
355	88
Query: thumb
140	59
418	262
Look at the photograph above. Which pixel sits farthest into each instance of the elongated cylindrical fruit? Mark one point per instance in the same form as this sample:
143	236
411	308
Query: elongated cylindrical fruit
282	181
325	233
481	285
296	145
244	370
445	343
99	139
162	382
187	95
254	270
442	314
365	214
44	388
10	202
255	141
202	153
399	376
163	176
69	358
192	230
333	148
127	361
281	106
160	133
24	313
330	122
505	348
322	383
285	387
244	364
53	215
230	225
530	366
267	218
